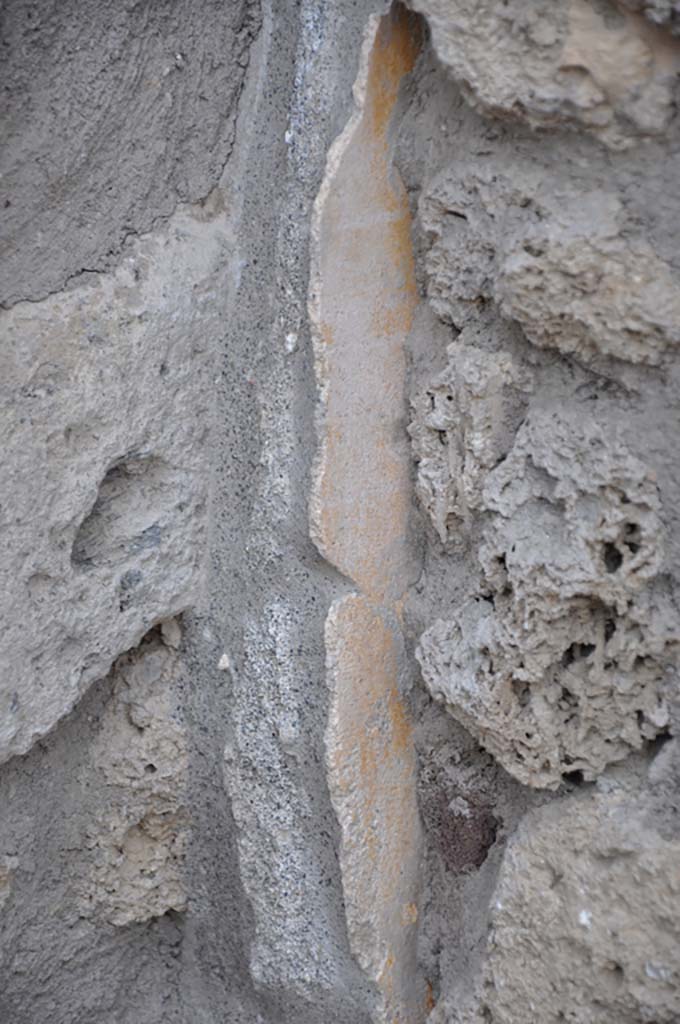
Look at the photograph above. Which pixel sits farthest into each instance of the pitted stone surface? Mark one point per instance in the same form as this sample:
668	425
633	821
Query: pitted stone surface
584	922
574	283
462	426
136	845
561	661
573	62
544	392
106	412
567	265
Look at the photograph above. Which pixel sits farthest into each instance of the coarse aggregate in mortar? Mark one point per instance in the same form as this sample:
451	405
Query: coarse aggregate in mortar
268	589
263	934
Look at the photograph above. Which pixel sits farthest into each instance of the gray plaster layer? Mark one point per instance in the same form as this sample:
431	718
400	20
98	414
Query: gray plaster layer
269	591
73	813
186	365
111	117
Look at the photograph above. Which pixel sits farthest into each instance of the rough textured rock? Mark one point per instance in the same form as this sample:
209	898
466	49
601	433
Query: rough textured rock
462	426
584	922
560	663
567	265
104	429
544	385
314	704
575	63
87	930
137	851
575	284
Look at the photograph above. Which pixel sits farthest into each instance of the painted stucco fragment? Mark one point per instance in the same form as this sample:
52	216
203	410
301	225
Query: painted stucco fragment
362	297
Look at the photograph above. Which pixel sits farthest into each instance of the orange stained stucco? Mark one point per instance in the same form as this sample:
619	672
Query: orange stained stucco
366	301
371	762
362	303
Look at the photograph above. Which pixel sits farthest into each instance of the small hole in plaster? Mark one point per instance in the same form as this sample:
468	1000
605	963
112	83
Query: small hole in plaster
150	769
533	250
617	972
575	778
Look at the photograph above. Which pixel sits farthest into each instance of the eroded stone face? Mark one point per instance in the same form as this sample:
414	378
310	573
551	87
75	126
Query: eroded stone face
576	284
584	922
567	265
559	663
104	428
136	845
573	63
462	426
543	404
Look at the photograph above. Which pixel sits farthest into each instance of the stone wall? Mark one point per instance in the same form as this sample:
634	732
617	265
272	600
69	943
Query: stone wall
338	541
538	143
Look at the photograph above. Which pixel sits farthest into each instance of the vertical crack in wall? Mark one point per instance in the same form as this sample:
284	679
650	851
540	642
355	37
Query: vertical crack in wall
362	299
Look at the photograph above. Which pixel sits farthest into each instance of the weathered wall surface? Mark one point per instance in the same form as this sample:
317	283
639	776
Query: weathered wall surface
339	547
541	164
169	846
